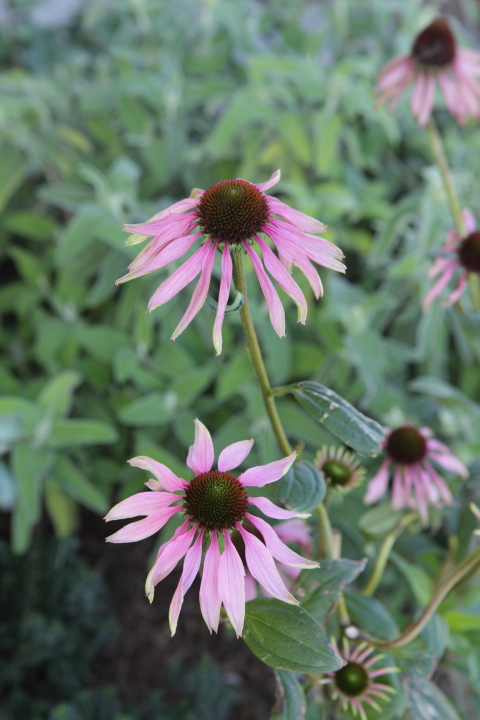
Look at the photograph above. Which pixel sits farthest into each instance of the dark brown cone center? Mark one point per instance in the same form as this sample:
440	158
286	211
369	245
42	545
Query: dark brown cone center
406	445
469	253
435	45
232	211
215	500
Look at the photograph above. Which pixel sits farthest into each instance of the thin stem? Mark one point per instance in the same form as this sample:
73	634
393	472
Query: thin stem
328	550
384	553
441	160
255	354
467	566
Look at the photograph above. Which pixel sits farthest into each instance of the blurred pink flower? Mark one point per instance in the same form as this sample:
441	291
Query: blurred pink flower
416	483
213	502
458	253
231	216
434	56
353	685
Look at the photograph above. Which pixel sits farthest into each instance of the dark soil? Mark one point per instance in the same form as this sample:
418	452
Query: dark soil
136	662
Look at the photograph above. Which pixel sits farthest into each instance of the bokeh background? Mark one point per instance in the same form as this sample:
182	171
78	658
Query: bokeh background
109	111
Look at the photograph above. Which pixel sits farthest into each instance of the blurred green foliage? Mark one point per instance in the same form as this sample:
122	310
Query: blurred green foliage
126	109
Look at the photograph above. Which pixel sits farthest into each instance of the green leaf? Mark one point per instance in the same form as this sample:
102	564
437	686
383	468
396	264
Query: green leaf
29	467
30	225
292	703
63	511
101	341
189	386
80	232
286	637
20	407
68	433
56	396
13	170
379	520
72	481
145	446
7	488
462	620
320	589
342	419
427	702
302	488
371	616
152	409
435	634
420	583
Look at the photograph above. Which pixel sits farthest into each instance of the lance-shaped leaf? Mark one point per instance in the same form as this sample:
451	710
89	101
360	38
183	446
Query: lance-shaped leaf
427	702
291	704
343	420
286	637
320	589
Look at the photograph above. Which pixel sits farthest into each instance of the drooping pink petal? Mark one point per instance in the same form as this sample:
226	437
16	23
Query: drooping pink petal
143	528
399	498
394	72
191	567
377	487
167	479
418	94
165	229
439	286
143	503
278	549
449	92
178	207
284	279
420	497
469	221
250	587
169	554
442	487
172	251
427	101
201	454
457	293
233	455
223	295
273	180
440	264
200	293
262	567
271	510
449	462
210	600
179	279
262	474
300	220
231	584
275	307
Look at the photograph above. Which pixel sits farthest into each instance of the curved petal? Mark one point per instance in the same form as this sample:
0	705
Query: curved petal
200	293
273	180
418	94
427	101
201	454
378	485
179	279
300	220
278	549
225	282
210	601
143	528
262	567
457	293
231	584
271	510
438	287
295	531
168	556
191	567
250	587
164	475
441	485
449	462
143	503
178	207
172	251
399	497
284	279
275	307
263	474
233	455
468	220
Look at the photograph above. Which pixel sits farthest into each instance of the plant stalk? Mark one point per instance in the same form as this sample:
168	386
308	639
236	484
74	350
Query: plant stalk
384	553
327	548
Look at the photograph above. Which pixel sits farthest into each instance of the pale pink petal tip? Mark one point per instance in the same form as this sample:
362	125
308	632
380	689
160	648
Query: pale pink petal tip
273	180
201	454
263	474
231	584
233	455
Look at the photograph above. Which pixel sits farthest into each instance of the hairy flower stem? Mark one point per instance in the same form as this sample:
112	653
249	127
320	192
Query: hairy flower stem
470	564
441	160
327	548
384	553
255	354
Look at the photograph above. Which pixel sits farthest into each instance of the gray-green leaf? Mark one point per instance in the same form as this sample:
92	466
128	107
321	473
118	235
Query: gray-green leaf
302	488
320	588
292	699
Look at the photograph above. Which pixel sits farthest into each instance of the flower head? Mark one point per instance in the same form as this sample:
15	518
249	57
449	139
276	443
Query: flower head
460	253
416	483
354	684
213	503
233	216
342	471
434	55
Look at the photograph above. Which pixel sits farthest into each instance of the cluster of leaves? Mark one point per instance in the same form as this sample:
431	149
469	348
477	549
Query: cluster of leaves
122	112
53	624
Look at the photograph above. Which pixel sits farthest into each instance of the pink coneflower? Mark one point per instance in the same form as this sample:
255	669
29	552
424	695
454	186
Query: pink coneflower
341	468
294	531
416	483
213	503
354	684
434	56
232	216
458	253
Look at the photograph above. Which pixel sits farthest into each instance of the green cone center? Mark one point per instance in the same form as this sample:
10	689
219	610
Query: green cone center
215	500
406	445
352	679
469	253
435	46
232	211
337	472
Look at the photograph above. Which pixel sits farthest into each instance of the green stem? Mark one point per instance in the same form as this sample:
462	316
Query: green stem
441	160
255	354
327	549
467	566
384	553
